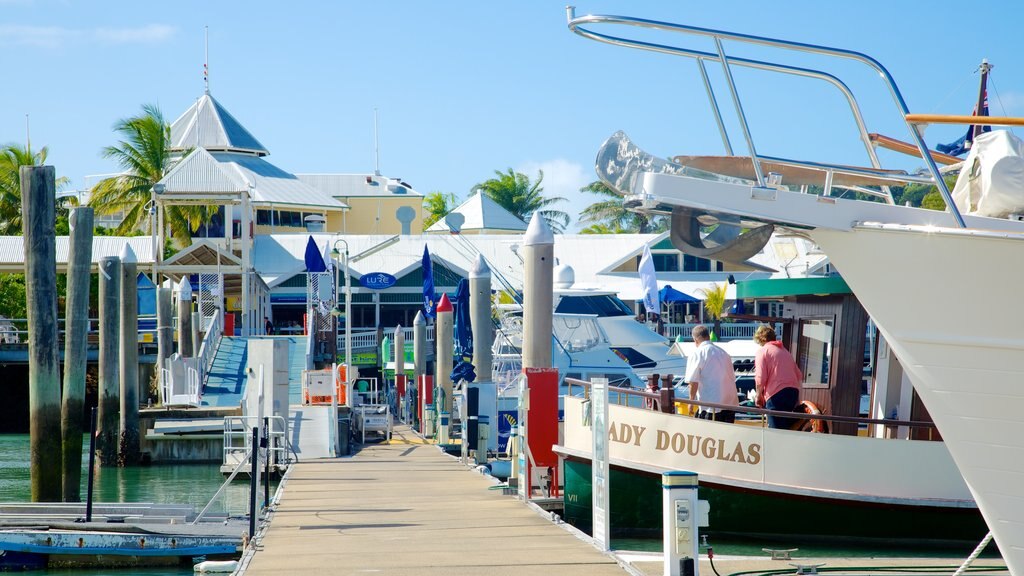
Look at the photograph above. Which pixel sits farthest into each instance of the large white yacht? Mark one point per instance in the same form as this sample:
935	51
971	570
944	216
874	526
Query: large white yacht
904	264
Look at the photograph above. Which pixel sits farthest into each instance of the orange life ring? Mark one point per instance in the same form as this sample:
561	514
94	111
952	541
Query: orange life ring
809	425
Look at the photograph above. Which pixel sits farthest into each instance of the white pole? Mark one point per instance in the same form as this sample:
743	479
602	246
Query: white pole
348	316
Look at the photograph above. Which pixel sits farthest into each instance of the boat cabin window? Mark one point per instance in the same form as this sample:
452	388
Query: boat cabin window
815	351
604	306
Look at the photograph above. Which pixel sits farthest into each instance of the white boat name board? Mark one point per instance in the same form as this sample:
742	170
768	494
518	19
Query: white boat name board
710	448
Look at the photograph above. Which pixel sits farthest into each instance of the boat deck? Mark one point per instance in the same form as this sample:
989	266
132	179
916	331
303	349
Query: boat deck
406	508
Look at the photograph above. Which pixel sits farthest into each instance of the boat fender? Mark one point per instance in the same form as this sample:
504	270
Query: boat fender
215	566
808	407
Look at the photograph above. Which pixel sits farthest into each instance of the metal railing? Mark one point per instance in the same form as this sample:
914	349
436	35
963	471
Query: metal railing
728	330
208	349
15	330
576	25
238	439
639	399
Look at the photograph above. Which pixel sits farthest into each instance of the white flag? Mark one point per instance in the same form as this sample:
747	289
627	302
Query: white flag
648	282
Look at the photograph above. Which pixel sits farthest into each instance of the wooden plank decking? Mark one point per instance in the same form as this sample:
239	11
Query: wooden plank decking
406	508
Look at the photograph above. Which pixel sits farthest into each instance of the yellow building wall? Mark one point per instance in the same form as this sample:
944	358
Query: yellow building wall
376	215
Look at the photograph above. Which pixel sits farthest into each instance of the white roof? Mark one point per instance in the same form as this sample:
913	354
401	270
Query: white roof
12	250
204	172
358	185
481	212
207	124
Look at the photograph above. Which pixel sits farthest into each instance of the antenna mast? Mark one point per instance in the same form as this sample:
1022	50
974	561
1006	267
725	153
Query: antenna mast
206	62
376	146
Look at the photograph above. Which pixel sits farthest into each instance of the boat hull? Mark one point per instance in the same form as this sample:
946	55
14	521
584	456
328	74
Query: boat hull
636	512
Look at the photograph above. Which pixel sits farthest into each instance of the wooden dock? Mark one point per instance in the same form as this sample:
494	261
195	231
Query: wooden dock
406	508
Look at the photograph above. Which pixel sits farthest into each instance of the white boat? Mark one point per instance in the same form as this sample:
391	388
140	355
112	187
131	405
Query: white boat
904	264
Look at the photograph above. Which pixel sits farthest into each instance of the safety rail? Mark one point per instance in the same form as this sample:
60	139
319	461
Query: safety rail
726	331
639	399
208	349
238	439
15	330
576	26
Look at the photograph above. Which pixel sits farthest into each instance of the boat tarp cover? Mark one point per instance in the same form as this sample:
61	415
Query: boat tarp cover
991	182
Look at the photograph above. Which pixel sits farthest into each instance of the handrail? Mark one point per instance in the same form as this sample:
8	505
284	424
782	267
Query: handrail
762	411
961	119
575	25
208	349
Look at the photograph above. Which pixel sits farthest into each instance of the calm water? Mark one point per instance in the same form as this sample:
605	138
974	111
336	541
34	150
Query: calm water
752	546
191	484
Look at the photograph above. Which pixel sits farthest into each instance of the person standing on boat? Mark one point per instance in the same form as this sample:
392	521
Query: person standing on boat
777	378
711	378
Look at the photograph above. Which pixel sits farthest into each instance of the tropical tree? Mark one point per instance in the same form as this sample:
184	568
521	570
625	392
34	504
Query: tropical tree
437	205
601	228
144	156
12	158
610	213
515	193
714	303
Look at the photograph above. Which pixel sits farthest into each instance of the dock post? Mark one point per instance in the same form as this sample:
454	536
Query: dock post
38	228
76	328
184	290
197	327
128	449
480	318
109	392
538	294
164	330
444	339
419	361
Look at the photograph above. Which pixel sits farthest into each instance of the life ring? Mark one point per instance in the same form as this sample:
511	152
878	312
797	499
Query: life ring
809	425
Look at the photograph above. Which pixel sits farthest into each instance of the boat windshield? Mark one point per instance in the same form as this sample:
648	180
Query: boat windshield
604	306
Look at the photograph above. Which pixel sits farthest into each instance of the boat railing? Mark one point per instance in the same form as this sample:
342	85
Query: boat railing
727	330
666	402
580	25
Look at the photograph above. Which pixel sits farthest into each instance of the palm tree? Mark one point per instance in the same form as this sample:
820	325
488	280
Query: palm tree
144	156
515	193
601	228
12	158
714	303
610	213
437	205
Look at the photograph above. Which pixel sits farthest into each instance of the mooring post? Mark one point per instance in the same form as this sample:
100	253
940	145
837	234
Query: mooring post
164	333
128	449
480	317
76	328
419	361
185	318
538	296
38	221
109	367
254	461
444	339
197	328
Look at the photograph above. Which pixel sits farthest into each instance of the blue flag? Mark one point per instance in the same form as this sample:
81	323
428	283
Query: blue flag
429	297
314	260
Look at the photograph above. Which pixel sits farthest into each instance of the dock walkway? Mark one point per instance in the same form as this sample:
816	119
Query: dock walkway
406	508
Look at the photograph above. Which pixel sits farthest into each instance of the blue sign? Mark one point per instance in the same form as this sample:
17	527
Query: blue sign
377	280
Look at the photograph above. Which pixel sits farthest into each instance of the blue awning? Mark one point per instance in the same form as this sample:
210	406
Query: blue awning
670	295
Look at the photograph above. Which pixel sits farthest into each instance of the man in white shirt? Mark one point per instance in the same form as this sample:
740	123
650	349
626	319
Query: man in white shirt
710	376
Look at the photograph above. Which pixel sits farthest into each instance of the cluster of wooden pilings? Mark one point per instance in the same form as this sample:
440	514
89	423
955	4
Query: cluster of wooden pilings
56	421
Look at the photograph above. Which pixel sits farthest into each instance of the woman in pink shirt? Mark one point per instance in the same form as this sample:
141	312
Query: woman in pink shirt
777	378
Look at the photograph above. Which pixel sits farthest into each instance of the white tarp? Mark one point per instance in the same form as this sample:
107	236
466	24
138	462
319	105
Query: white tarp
991	182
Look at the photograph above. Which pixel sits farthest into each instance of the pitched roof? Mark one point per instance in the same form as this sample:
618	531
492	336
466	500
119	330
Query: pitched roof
204	172
12	250
207	124
484	214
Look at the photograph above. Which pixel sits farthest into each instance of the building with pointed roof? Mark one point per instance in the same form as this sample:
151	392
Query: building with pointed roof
207	124
480	214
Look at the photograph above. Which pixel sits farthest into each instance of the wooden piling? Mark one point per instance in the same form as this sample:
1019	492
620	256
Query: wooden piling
76	329
128	447
109	367
39	218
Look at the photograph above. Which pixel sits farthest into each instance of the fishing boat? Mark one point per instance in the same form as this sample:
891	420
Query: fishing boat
966	372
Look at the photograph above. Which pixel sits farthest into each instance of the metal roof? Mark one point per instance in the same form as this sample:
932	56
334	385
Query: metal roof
358	185
207	124
481	212
204	172
12	250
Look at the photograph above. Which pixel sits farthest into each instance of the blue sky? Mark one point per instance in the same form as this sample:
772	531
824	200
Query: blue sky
466	88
